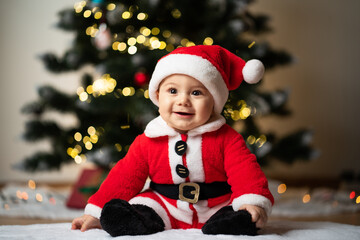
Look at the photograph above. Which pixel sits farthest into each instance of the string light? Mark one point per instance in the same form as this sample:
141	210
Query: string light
146	93
352	195
176	13
106	84
155	44
281	188
142	16
83	96
208	41
184	41
94	138
89	89
132	50
92	30
98	15
122	46
128	91
131	41
18	194
24	196
145	31
88	145
110	6
306	198
39	197
261	140
78	148
78	136
251	44
162	45
91	131
245	112
133	8
166	34
155	31
52	201
126	15
118	147
79	6
87	14
31	184
140	39
77	159
251	139
169	47
235	115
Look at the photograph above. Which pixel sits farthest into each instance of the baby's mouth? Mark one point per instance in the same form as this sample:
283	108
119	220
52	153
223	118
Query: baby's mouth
184	113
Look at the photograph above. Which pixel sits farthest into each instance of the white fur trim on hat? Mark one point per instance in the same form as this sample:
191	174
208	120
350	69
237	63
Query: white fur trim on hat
253	71
196	67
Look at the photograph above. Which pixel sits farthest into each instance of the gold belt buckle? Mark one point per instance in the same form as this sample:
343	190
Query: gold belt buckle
195	192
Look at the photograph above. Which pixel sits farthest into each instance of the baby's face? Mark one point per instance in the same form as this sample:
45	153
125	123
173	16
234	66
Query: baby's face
184	102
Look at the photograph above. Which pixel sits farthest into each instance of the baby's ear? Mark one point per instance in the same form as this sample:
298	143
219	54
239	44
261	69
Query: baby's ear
157	94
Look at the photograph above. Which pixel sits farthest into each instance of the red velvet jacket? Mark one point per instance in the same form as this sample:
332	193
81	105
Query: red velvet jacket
215	152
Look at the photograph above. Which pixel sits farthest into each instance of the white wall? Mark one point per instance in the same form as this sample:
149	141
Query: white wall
323	35
28	31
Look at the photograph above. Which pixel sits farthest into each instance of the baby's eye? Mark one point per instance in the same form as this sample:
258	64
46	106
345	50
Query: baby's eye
196	93
172	90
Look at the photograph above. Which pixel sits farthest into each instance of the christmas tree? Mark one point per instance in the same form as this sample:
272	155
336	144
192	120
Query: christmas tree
122	40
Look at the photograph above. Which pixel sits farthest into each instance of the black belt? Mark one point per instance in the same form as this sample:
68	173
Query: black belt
192	192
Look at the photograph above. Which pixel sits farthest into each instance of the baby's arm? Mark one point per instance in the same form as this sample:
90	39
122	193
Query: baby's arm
85	222
258	214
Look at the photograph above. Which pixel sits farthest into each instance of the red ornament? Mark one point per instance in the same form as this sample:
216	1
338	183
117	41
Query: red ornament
141	78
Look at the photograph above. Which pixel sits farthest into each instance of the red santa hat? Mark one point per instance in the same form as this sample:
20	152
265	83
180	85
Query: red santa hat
215	67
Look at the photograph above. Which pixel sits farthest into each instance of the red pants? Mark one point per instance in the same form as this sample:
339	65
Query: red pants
176	213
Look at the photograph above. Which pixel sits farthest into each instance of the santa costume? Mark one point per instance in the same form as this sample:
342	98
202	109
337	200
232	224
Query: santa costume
199	179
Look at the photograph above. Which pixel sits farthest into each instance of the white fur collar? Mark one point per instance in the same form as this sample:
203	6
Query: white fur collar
158	127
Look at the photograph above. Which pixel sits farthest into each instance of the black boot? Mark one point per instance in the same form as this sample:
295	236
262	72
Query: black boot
119	218
227	221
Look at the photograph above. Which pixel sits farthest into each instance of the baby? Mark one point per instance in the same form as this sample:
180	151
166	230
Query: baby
202	174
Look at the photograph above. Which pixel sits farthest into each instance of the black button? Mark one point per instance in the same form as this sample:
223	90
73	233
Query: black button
180	147
182	171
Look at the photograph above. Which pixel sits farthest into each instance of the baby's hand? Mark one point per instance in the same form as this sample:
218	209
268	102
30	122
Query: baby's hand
258	214
85	222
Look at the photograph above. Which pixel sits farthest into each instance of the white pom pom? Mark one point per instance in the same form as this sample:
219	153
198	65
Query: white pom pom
253	71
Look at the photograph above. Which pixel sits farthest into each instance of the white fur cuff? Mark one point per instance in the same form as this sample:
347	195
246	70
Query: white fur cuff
93	210
252	199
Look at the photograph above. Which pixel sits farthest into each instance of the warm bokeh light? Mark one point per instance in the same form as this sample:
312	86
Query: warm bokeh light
176	13
31	184
208	41
87	14
111	6
251	44
251	139
91	130
282	188
142	16
306	198
78	136
352	195
39	197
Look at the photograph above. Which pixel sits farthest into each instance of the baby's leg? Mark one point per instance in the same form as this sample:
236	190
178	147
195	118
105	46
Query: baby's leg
119	218
227	221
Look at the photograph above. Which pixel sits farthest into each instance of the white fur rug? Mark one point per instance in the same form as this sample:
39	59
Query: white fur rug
274	230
